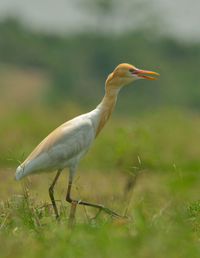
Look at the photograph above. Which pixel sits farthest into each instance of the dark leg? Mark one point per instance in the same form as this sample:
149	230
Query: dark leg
99	206
51	190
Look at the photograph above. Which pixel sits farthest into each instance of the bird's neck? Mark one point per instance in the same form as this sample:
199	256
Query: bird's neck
105	108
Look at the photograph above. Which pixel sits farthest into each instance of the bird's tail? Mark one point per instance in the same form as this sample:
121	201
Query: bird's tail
20	172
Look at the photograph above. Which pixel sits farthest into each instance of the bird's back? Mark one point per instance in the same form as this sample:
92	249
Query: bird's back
62	148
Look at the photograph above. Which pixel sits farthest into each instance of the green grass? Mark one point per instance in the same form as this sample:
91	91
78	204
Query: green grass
145	166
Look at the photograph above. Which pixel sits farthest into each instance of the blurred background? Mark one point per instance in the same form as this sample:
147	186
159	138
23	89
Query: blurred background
55	57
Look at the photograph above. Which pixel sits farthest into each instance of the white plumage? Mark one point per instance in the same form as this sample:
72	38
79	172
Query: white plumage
63	147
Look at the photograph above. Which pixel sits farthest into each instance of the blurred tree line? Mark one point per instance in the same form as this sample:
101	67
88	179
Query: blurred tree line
78	64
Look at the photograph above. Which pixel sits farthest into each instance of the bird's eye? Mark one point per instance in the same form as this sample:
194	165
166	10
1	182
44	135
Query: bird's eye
131	70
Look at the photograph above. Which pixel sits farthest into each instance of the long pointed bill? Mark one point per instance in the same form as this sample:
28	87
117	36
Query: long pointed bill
142	74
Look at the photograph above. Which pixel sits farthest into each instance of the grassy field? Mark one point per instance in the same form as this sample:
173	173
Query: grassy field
146	166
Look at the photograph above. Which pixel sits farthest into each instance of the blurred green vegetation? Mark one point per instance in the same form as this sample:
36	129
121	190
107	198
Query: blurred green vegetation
146	166
79	64
145	163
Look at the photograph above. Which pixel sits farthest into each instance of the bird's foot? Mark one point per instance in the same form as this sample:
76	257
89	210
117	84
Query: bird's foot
113	213
99	206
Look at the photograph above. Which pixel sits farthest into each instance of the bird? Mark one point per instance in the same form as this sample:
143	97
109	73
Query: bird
68	143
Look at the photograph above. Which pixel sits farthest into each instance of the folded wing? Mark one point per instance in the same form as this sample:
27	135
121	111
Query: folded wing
61	148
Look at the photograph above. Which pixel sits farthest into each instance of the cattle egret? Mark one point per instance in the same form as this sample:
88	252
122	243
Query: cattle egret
68	143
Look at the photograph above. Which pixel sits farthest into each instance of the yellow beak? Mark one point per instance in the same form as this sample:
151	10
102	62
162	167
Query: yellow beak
141	73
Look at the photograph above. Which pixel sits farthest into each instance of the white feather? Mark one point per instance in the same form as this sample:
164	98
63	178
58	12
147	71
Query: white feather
62	148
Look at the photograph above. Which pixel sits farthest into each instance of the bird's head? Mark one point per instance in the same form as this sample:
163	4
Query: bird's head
126	73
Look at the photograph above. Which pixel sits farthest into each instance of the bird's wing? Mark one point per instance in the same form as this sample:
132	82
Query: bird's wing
64	143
